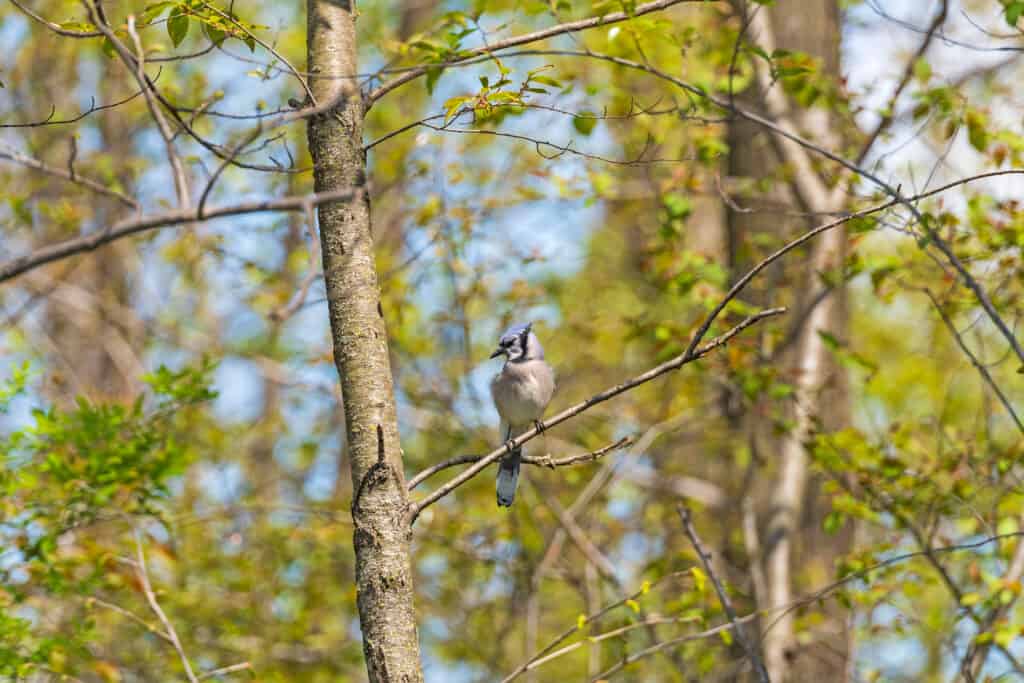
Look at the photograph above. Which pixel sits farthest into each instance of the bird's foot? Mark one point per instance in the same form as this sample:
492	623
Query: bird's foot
539	426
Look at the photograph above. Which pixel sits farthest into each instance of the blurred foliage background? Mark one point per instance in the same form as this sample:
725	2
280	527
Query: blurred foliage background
174	391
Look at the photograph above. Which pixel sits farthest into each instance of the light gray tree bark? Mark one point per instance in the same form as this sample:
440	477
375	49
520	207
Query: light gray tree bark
382	532
819	392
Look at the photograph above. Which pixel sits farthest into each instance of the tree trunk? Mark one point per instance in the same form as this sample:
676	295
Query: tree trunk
819	393
382	533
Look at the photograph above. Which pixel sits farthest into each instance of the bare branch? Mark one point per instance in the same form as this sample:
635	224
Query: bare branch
93	241
705	558
56	28
888	111
178	170
982	370
653	649
234	668
579	538
93	107
130	615
66	174
147	588
543	461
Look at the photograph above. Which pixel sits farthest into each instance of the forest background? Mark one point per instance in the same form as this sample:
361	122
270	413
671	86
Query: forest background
772	249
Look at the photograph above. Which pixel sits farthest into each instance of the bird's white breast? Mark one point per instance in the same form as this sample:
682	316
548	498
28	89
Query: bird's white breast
521	391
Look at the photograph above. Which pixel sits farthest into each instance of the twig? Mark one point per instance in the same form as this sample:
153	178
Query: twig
67	174
56	28
888	112
579	538
147	588
286	311
177	169
266	46
130	615
651	621
705	559
982	370
225	162
234	668
93	107
543	461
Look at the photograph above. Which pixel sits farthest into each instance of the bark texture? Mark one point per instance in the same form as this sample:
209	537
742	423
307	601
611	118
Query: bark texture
382	533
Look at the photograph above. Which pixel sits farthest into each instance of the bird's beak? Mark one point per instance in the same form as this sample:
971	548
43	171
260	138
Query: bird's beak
499	352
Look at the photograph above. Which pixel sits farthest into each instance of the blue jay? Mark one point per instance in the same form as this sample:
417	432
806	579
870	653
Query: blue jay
521	392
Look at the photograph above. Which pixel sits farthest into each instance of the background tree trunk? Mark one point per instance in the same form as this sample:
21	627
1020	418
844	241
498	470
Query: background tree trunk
382	533
819	392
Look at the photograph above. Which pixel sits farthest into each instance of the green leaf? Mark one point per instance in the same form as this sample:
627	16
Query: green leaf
433	73
585	123
1014	11
830	341
922	70
678	206
215	35
177	26
546	80
833	522
452	108
107	48
700	579
152	12
977	133
969	599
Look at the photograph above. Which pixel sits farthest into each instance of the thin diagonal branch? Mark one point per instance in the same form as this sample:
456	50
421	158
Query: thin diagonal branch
982	370
705	559
234	668
177	169
66	174
889	111
150	628
147	588
579	538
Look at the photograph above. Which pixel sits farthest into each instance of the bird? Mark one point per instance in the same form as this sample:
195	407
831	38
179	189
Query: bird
521	391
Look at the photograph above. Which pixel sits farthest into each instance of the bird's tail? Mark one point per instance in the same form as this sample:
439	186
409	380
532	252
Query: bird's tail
508	469
508	477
